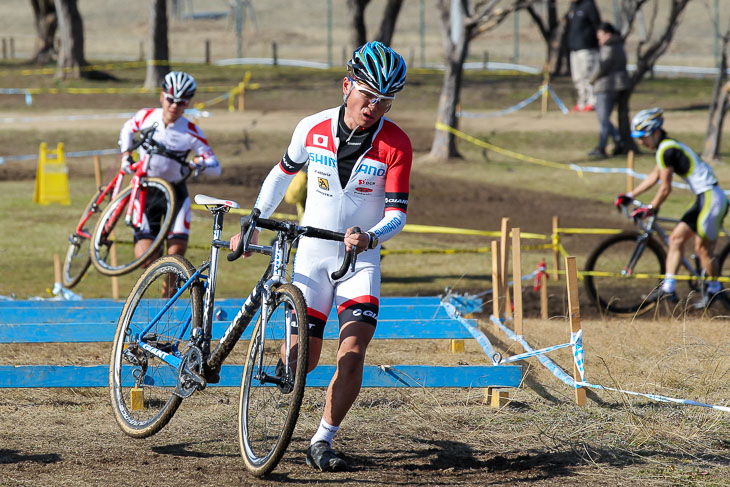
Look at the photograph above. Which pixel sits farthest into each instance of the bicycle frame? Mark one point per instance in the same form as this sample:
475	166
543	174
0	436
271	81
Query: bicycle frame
274	274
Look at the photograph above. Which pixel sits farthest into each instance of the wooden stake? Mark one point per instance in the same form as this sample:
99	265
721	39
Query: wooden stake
543	297
495	279
57	268
574	308
97	171
496	282
517	280
630	170
556	249
503	274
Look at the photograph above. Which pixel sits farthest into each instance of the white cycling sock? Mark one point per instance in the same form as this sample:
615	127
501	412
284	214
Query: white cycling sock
325	432
669	283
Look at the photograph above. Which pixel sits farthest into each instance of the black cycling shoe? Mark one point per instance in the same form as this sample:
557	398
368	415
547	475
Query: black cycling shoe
322	457
660	294
287	387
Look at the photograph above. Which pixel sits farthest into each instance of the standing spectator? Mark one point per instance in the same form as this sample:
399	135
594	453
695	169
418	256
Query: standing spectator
583	21
610	83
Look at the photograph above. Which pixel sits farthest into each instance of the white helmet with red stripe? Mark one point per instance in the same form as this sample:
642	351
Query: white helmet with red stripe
179	85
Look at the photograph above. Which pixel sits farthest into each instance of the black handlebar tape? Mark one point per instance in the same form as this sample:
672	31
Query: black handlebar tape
245	222
339	273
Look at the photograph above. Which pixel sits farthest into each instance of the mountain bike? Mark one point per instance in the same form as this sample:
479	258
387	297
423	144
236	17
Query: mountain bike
624	269
112	251
162	346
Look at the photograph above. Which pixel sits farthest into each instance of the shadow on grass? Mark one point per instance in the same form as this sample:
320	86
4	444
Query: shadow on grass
185	450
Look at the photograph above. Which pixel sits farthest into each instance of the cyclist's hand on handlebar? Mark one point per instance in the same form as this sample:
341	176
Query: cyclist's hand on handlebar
359	240
127	161
643	212
622	200
237	237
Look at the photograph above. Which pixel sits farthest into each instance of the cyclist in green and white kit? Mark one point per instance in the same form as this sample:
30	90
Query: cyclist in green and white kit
703	219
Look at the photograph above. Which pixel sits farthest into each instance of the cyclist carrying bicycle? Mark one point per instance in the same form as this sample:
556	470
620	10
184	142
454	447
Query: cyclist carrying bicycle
703	219
179	135
359	165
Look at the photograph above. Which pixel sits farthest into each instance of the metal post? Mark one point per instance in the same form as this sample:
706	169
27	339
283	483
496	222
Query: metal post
516	55
239	28
329	32
207	51
422	14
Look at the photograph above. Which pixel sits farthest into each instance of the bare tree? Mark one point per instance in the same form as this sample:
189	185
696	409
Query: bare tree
718	106
657	41
71	58
159	53
46	23
461	22
552	30
387	24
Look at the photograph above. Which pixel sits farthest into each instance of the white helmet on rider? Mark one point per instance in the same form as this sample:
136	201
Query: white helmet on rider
179	85
646	122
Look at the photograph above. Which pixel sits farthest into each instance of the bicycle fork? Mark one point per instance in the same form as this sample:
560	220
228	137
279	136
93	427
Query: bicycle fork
641	243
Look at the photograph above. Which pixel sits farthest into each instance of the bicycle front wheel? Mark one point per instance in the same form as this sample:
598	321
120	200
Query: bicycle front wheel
269	409
78	257
614	284
142	386
112	243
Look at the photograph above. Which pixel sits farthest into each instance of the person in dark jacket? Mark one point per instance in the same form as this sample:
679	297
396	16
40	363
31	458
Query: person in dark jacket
611	85
583	21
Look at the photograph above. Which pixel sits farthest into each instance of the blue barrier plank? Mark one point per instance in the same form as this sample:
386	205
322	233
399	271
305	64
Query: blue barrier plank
109	312
393	376
104	332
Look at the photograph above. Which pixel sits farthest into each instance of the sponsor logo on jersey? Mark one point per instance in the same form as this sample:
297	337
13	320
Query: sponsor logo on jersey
371	170
365	182
320	140
363	190
324	160
323	183
395	201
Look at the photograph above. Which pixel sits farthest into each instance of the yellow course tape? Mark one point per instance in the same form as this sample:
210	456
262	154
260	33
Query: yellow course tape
589	231
506	152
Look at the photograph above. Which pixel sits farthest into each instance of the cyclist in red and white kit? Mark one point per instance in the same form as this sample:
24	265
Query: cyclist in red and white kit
359	165
180	136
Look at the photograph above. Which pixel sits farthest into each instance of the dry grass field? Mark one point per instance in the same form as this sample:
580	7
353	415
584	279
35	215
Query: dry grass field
392	436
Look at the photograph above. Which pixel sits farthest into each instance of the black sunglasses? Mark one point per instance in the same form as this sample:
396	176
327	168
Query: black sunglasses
180	101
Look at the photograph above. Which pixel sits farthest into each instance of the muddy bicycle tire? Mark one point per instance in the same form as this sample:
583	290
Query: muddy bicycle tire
267	416
112	235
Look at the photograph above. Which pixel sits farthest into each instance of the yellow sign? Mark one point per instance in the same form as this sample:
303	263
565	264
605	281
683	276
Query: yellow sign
51	180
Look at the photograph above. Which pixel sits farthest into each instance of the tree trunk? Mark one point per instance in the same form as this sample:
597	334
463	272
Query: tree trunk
71	27
444	143
357	21
46	23
387	26
711	152
159	50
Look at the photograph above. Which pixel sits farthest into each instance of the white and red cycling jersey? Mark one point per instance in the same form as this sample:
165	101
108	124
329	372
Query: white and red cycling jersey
180	137
375	198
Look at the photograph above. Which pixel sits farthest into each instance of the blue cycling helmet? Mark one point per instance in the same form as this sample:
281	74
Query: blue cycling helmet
646	121
379	67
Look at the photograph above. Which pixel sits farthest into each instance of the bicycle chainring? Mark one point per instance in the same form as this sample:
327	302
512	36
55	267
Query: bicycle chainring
189	378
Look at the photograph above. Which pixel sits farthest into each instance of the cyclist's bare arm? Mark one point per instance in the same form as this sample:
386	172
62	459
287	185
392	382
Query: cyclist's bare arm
665	175
647	183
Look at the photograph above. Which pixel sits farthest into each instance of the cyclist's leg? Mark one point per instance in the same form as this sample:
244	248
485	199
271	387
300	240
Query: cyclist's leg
177	236
709	221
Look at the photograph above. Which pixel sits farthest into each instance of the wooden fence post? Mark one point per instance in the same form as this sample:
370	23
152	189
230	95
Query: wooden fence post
496	280
574	309
207	51
503	274
629	172
543	297
556	249
57	269
517	280
97	171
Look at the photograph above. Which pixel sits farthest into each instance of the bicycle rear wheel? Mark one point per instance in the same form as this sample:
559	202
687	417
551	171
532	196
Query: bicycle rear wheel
112	243
142	386
724	269
614	287
78	256
267	415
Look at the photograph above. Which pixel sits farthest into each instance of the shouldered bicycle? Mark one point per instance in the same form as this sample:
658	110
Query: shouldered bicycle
98	238
162	346
624	269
